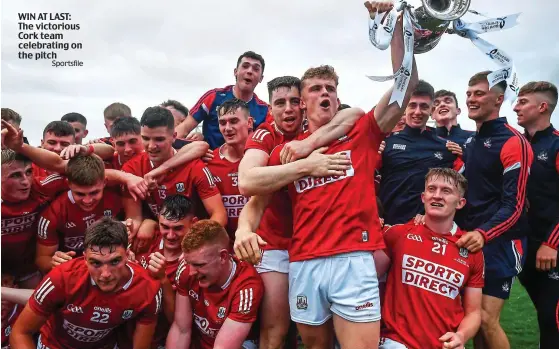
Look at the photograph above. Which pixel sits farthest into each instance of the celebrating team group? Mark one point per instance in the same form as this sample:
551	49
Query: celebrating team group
303	218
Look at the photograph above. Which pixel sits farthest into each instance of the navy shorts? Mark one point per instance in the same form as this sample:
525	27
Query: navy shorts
503	261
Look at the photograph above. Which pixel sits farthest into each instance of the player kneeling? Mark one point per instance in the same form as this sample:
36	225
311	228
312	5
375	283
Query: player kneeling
80	303
218	296
433	290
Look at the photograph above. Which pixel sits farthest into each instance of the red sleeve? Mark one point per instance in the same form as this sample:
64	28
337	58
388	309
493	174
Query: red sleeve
375	134
200	110
203	180
391	235
246	300
458	165
275	156
49	295
477	271
262	139
51	185
181	278
47	231
133	166
149	314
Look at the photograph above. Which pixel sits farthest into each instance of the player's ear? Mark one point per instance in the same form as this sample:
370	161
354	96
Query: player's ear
461	203
423	197
174	136
458	111
261	78
85	133
250	124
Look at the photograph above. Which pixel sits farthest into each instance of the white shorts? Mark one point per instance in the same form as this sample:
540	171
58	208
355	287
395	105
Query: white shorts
387	343
274	260
249	344
344	284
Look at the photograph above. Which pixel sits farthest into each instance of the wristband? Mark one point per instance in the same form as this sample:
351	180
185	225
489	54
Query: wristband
90	149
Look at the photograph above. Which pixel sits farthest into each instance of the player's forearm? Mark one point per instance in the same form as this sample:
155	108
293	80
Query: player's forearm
22	340
219	216
104	151
252	213
44	263
16	295
43	158
115	177
269	179
189	152
470	325
177	337
340	125
185	127
168	299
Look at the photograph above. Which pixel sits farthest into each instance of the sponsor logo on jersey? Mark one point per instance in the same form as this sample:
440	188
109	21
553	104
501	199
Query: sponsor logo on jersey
69	225
221	312
309	182
74	309
432	277
108	213
439	155
302	302
102	310
364	306
234	204
127	314
542	156
193	294
84	334
204	325
463	252
439	239
399	146
18	224
180	187
343	138
414	237
74	243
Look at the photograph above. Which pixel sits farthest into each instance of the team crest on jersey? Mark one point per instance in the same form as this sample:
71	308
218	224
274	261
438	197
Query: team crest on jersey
463	252
221	312
302	302
108	213
439	155
365	236
542	156
469	140
180	187
206	303
8	331
127	314
487	143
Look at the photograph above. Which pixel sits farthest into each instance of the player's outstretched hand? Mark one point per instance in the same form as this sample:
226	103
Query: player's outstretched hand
137	186
74	150
454	148
452	340
11	136
380	6
472	240
209	156
322	165
546	258
247	246
295	150
157	265
61	257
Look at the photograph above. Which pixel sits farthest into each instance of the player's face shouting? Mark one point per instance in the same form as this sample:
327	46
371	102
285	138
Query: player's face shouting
207	264
248	73
16	181
481	101
87	197
441	198
235	126
528	108
445	109
418	111
286	109
128	145
56	144
173	231
158	142
319	97
107	267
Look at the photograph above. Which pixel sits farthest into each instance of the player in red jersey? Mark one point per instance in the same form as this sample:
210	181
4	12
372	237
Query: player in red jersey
336	225
430	274
10	311
57	136
125	132
80	303
23	197
61	227
157	137
218	296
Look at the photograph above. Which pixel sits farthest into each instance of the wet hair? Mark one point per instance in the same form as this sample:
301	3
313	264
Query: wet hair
59	129
116	110
74	117
543	87
125	125
424	88
203	233
10	115
230	106
446	93
482	77
176	207
9	156
451	176
252	55
323	72
157	117
283	81
175	105
85	170
106	232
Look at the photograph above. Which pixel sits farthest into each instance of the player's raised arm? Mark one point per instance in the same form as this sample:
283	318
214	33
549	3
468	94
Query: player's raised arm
181	329
189	152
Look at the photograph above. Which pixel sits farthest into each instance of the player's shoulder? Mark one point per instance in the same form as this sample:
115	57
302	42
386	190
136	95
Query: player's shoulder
261	103
402	228
136	162
245	274
73	273
142	282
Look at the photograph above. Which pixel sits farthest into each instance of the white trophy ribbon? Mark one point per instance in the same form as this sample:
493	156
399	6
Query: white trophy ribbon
380	36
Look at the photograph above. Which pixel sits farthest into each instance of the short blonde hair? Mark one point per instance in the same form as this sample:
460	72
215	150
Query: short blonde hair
457	179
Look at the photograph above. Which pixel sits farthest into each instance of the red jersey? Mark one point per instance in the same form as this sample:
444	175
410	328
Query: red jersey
114	163
237	300
64	220
19	226
80	315
424	284
193	177
225	174
276	225
7	328
338	214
